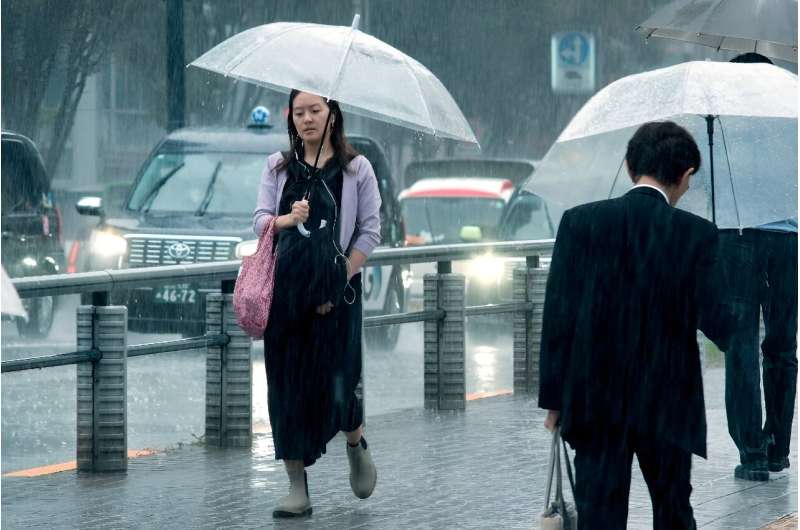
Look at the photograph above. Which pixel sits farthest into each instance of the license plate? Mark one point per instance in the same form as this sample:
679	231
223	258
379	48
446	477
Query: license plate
176	294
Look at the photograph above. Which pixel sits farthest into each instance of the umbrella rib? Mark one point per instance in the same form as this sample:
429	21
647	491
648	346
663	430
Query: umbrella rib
245	55
338	79
730	174
419	89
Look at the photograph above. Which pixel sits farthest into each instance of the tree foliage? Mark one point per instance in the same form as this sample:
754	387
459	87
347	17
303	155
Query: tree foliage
47	39
493	56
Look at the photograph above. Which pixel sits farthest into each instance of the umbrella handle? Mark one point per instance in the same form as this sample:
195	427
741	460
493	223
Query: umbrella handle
710	132
303	230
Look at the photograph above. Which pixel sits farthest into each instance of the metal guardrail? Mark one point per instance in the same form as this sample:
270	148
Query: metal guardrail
121	279
64	359
103	350
47	361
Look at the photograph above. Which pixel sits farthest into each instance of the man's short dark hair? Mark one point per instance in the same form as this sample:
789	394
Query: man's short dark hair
751	57
663	150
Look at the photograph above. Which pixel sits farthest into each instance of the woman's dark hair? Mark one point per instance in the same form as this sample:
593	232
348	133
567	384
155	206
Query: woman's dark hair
343	152
663	150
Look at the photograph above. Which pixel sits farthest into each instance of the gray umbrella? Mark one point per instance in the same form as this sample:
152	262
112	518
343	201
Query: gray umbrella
768	27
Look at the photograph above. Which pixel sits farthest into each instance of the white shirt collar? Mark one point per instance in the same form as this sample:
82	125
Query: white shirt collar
655	188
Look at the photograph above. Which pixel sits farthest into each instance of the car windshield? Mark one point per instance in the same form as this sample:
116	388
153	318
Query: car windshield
528	219
23	186
438	220
209	182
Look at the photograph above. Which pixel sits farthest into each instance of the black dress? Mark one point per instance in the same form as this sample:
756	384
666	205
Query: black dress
313	361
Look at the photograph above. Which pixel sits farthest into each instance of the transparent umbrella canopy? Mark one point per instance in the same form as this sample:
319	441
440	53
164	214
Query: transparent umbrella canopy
759	152
754	111
768	27
365	75
11	304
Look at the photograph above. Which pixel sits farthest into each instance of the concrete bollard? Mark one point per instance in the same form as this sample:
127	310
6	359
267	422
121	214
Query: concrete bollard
528	286
445	345
229	378
102	443
523	338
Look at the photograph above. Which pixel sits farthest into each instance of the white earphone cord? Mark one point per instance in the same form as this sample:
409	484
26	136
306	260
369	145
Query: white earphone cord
336	246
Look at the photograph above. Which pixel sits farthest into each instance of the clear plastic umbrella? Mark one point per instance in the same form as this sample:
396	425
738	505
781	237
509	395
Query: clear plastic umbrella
365	75
768	27
753	109
10	304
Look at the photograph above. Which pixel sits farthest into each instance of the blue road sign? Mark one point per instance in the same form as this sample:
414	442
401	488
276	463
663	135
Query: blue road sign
572	62
573	49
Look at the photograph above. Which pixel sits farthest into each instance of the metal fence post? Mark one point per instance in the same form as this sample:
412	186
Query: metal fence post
445	374
523	336
102	443
537	285
215	408
528	286
229	398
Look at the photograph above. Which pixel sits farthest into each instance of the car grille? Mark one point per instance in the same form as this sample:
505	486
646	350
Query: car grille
144	251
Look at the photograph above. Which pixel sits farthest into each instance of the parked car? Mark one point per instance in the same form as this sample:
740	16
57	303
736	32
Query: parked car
461	201
193	201
528	217
31	227
448	211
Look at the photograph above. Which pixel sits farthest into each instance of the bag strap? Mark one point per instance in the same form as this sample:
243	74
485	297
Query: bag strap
569	468
268	235
550	468
559	489
269	225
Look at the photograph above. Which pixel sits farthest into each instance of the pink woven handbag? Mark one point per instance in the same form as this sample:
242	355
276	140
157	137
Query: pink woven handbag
252	295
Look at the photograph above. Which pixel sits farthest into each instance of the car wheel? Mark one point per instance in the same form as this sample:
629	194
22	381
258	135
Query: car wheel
41	313
385	337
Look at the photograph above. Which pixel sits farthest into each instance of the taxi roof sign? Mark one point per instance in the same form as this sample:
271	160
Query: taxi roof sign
259	117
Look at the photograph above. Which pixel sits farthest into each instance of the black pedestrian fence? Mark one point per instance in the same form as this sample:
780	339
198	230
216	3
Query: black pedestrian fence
102	348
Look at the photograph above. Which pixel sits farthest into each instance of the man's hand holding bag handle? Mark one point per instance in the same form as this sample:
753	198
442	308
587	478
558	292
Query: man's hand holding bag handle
559	515
252	295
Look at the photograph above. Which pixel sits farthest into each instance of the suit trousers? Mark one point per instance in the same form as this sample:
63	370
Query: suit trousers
762	266
603	480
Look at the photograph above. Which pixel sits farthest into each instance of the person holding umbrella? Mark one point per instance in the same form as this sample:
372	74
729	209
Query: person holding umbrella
762	262
325	202
630	282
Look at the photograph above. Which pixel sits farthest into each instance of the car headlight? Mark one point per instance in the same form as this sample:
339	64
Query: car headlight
107	244
485	269
246	248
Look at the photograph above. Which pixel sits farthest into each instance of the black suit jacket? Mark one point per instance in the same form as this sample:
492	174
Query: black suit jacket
630	282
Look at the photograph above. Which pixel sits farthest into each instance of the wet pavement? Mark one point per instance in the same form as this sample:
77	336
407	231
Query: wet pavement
482	468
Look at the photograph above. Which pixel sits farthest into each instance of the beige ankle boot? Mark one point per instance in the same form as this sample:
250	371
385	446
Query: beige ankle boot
363	474
297	503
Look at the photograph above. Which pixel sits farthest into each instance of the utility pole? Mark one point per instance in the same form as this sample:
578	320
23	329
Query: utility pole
176	86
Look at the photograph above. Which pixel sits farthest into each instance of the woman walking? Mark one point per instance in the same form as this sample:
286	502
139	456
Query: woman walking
325	202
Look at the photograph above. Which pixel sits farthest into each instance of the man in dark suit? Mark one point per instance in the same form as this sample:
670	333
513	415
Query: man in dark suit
630	282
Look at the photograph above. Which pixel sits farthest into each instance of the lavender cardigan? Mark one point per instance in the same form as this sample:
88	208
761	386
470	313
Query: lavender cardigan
359	214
